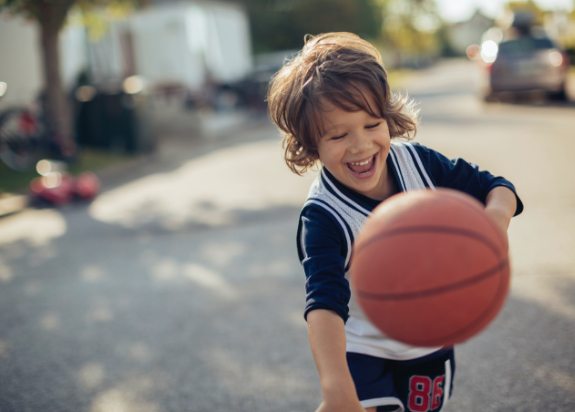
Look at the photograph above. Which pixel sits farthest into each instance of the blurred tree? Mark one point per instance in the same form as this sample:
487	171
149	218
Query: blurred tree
568	37
282	24
410	28
50	17
524	13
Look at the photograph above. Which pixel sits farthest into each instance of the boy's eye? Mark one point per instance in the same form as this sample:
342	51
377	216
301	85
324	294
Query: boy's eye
372	126
338	137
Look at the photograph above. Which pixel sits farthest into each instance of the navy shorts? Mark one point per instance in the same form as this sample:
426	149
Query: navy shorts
416	385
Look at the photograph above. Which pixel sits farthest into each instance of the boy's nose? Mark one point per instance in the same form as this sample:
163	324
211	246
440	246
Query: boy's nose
360	143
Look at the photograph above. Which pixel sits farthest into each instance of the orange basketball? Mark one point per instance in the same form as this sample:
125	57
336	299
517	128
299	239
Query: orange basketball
429	267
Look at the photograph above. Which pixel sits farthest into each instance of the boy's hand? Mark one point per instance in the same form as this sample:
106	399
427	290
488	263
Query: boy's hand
326	331
500	205
501	219
339	395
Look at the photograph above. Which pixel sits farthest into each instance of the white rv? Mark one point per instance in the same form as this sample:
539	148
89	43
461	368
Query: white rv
191	43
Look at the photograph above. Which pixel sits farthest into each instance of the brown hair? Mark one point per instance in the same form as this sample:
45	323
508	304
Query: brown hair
340	68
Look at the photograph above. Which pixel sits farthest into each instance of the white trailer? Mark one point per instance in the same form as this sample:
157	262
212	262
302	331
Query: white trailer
191	43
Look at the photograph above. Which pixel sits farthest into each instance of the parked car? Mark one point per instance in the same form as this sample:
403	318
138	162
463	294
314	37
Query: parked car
252	89
525	64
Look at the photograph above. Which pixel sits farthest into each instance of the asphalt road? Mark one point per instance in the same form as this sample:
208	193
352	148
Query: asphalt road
179	290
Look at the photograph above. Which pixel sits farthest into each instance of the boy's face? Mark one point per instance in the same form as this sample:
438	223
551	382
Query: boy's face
354	149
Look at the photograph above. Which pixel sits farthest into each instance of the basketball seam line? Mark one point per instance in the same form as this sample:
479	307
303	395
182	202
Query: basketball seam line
481	318
431	229
424	293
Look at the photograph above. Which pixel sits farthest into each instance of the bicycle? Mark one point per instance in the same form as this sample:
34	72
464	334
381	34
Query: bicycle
26	143
23	137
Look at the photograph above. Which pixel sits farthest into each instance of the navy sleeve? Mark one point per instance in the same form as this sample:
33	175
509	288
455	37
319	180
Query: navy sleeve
322	252
461	175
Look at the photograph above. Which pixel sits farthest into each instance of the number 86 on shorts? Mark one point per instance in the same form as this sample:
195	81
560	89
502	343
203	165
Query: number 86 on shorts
425	395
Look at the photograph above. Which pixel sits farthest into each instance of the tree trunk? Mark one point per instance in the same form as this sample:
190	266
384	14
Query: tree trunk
55	100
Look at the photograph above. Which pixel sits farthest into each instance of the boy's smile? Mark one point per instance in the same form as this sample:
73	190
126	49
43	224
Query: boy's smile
364	168
354	148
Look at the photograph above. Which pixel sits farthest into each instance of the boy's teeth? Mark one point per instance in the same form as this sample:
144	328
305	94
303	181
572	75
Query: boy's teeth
362	166
361	163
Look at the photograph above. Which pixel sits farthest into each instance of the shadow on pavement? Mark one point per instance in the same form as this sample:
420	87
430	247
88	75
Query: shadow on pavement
519	352
190	320
146	302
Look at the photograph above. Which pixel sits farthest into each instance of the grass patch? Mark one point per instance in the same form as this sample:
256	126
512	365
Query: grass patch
94	160
14	182
89	159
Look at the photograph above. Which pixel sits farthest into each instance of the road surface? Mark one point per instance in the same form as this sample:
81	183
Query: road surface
179	289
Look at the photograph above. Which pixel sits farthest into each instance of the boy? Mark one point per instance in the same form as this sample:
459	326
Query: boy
333	104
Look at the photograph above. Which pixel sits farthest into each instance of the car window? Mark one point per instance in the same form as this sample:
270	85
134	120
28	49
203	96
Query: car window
525	45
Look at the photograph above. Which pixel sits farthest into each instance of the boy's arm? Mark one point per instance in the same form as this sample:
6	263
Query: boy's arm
500	205
326	336
461	175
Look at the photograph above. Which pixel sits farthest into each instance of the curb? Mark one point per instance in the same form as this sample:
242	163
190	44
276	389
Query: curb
214	128
11	203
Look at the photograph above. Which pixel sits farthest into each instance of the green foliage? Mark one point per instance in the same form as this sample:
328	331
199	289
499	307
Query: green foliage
282	24
530	7
39	10
406	26
410	28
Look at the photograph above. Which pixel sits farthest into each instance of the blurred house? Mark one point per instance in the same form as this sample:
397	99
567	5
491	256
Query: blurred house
181	50
193	44
20	63
186	45
462	34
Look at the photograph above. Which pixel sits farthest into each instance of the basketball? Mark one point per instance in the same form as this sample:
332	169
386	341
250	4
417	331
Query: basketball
429	267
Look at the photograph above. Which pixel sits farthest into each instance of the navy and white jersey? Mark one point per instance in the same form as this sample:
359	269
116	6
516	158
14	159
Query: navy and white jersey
332	217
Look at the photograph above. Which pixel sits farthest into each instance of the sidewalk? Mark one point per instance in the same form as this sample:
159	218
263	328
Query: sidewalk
12	203
179	132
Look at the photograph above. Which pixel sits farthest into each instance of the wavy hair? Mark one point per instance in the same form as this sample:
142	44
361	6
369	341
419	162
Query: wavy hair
344	70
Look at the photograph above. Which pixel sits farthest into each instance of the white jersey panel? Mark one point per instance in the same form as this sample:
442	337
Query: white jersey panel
361	335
